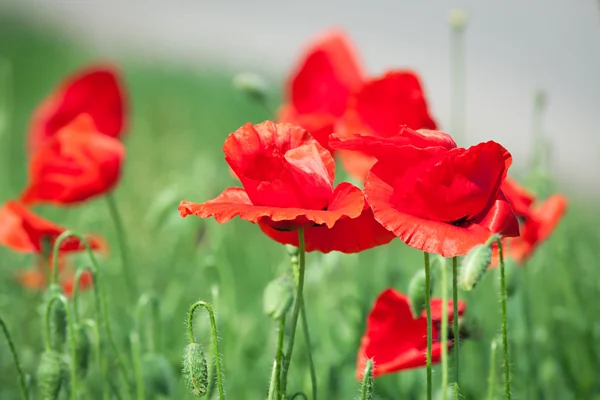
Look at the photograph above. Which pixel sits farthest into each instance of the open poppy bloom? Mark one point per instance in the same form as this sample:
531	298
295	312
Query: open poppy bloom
23	231
319	86
288	182
75	164
95	91
396	340
437	199
36	278
537	222
380	108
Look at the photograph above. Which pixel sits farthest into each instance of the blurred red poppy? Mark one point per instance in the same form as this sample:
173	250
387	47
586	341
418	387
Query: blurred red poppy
23	231
288	183
319	86
95	91
381	107
74	165
36	278
520	199
395	339
438	199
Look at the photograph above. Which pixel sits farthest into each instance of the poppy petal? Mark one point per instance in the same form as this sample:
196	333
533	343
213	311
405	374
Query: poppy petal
519	198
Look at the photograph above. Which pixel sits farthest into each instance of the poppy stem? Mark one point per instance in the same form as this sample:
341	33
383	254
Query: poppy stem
296	312
123	246
91	324
275	386
311	363
134	339
148	299
13	351
429	324
444	329
214	337
504	326
492	376
455	328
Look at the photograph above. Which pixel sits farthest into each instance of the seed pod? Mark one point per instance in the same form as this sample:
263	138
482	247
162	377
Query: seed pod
278	297
159	377
195	369
58	319
474	266
416	292
82	346
253	85
368	386
51	373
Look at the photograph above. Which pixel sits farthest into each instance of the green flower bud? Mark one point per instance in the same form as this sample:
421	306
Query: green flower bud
253	85
159	377
195	369
51	372
278	297
367	391
83	346
416	292
457	19
58	319
474	266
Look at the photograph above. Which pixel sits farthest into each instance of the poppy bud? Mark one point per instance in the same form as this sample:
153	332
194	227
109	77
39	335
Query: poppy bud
367	391
416	292
253	85
58	319
159	377
457	19
51	373
278	297
195	369
82	345
474	266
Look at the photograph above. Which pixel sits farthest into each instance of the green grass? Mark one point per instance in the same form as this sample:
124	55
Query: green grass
179	119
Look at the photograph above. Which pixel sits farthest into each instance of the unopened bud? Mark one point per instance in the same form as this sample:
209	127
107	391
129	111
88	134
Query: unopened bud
253	85
58	319
457	19
278	297
367	391
195	369
51	373
82	346
416	292
474	266
159	377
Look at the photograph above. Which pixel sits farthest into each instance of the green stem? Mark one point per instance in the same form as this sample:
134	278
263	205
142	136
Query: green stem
366	387
456	330
134	338
275	386
504	325
153	331
100	300
299	394
429	324
215	339
444	332
311	363
296	312
13	351
72	348
123	247
492	376
99	358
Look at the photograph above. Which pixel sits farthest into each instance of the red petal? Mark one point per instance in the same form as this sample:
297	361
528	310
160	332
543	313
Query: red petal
325	76
95	91
519	198
319	125
348	235
74	165
347	201
549	213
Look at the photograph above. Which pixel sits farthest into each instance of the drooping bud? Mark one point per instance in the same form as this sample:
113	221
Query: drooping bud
82	345
367	391
58	318
278	297
195	369
416	292
253	85
457	19
51	373
474	266
159	377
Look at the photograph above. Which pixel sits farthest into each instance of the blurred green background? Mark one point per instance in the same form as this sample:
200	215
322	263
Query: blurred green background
178	120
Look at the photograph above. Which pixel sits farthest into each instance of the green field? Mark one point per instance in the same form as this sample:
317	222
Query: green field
178	121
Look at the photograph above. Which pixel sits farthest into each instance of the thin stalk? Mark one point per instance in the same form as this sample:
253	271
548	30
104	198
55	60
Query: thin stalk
455	322
214	337
13	352
123	247
311	363
444	329
134	338
492	376
504	325
275	386
153	330
429	324
296	312
99	358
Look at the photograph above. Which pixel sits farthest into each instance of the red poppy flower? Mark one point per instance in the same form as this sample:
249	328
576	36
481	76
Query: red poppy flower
23	231
395	339
36	278
95	91
520	199
380	108
75	164
288	182
438	199
319	86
